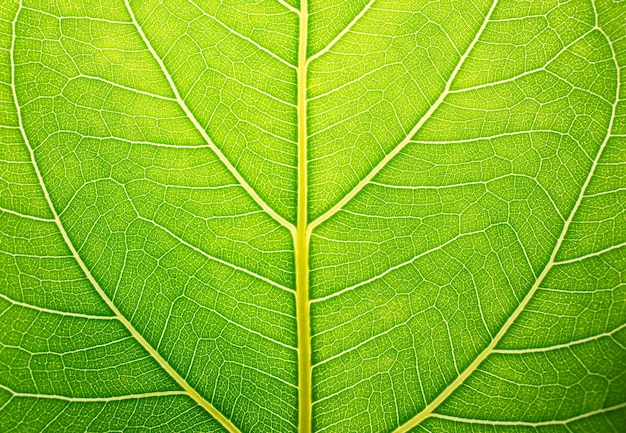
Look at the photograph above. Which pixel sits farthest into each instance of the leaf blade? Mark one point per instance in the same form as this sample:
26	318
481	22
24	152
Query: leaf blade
348	241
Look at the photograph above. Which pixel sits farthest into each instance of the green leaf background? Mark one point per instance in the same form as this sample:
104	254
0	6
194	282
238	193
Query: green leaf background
328	216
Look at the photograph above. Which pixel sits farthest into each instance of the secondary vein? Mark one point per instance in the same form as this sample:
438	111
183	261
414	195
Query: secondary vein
188	389
407	139
231	168
429	409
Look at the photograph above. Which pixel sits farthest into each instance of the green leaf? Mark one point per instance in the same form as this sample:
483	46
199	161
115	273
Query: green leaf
324	215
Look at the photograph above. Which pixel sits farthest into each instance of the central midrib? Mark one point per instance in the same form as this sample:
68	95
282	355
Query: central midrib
303	316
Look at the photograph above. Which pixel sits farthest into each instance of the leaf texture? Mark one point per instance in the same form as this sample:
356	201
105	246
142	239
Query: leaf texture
313	216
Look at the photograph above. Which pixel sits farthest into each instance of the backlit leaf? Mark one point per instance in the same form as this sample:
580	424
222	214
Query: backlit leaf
313	216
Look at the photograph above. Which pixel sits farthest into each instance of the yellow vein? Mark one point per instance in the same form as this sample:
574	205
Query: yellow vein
402	264
55	312
242	37
93	399
407	139
532	424
428	410
301	241
189	390
210	257
342	33
590	255
573	343
186	243
289	7
82	76
543	68
25	216
203	132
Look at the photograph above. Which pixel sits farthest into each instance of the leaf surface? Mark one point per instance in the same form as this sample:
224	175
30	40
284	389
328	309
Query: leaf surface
323	215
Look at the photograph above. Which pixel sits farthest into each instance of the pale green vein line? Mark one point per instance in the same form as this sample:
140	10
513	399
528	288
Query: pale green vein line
531	424
255	196
578	88
289	7
341	34
215	259
257	90
401	265
117	86
245	38
189	390
590	255
581	292
526	17
6	403
133	142
609	192
430	408
350	82
251	331
56	312
560	346
496	136
333	210
271	376
387	331
22	215
74	17
484	183
82	350
334	394
36	256
93	399
527	73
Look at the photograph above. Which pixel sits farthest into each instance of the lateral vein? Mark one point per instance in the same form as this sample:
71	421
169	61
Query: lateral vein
189	390
430	408
342	33
532	424
407	139
93	399
561	346
55	312
253	194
